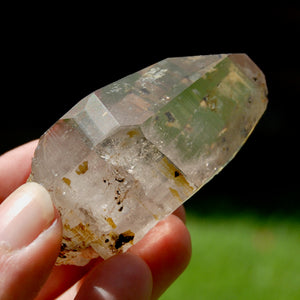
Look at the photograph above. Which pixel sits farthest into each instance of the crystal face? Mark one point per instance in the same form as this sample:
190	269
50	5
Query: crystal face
129	154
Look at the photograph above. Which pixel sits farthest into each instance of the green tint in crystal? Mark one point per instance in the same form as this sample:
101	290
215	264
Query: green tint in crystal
212	117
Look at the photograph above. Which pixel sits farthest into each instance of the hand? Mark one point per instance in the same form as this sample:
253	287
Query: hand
30	237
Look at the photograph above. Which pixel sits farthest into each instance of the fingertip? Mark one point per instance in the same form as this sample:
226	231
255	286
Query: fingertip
167	251
124	276
180	213
25	270
26	213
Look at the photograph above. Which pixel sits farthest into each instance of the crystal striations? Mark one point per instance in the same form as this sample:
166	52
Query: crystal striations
132	152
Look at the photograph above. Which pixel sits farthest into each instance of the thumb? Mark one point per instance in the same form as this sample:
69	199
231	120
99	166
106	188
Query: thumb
30	237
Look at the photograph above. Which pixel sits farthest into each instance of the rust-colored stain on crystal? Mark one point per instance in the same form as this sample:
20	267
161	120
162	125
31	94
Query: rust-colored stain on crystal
132	133
66	180
175	194
124	238
111	222
171	172
116	241
155	217
81	243
82	168
81	231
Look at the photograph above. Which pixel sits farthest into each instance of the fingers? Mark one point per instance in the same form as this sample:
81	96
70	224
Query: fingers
150	265
63	277
167	251
15	167
124	276
30	237
180	213
164	252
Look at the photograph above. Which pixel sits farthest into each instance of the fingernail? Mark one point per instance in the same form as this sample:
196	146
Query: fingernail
24	214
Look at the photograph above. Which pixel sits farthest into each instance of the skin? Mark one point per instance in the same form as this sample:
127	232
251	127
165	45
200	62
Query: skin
144	272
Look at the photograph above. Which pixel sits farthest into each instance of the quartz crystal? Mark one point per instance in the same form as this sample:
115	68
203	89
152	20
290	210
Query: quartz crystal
130	153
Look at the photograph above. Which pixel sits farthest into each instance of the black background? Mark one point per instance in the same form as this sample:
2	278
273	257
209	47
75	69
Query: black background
53	56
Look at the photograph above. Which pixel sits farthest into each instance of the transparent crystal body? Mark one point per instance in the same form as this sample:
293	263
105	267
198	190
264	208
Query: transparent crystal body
129	154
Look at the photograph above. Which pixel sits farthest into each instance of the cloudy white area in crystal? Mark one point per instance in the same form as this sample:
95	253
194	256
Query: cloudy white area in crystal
132	152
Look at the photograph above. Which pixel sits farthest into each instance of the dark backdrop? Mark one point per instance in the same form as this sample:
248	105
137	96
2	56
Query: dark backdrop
54	56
